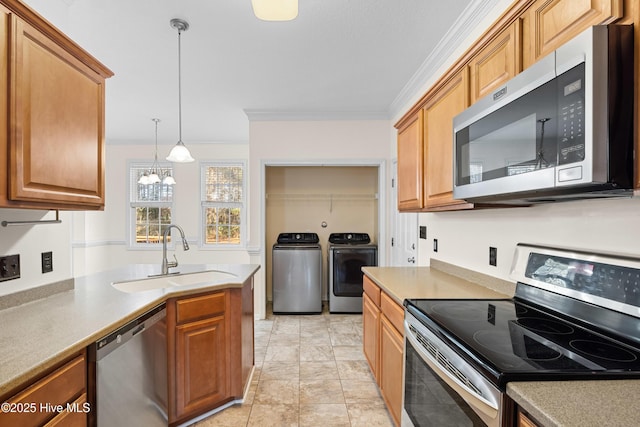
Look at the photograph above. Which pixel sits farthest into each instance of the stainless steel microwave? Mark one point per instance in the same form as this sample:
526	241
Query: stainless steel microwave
560	130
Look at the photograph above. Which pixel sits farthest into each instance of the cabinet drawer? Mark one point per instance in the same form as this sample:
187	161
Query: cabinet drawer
75	418
393	311
61	386
372	290
190	309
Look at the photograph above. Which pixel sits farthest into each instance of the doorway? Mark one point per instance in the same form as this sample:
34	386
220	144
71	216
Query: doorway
319	199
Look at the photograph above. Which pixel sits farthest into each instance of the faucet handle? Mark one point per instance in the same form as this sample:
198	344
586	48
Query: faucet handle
171	264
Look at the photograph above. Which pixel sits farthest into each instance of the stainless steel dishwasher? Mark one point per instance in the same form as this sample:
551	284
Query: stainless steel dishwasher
131	373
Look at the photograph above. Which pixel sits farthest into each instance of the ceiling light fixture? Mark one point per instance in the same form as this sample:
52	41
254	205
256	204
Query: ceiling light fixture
275	10
152	176
179	153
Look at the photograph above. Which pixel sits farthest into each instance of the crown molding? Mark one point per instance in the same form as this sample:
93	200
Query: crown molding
266	115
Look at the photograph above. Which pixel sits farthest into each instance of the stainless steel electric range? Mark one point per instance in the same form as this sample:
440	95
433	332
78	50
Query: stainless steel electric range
575	315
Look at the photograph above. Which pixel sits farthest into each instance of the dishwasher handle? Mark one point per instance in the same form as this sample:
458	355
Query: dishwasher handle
121	336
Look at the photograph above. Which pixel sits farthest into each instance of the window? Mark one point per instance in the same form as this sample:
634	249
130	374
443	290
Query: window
151	206
223	210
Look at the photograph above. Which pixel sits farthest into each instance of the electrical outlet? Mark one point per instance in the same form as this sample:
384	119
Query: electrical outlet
423	232
493	256
9	267
47	262
435	245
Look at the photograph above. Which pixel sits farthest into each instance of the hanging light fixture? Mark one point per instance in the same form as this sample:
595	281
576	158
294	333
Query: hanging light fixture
179	153
275	10
152	176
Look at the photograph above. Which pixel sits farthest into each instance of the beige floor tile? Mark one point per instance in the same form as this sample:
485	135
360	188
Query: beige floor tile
282	339
324	415
320	391
233	416
310	353
356	391
369	415
345	339
348	352
276	370
277	392
353	369
282	353
273	416
323	370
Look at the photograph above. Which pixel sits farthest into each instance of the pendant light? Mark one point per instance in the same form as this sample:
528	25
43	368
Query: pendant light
152	176
179	153
275	10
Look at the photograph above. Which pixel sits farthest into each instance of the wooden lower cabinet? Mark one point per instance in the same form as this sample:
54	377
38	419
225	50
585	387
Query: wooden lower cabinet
383	344
210	350
201	365
58	399
370	332
391	362
525	421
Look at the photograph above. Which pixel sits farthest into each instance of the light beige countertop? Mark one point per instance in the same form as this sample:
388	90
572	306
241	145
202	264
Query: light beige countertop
426	282
579	403
37	335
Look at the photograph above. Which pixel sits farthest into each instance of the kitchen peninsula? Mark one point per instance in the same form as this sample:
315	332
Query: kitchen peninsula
42	336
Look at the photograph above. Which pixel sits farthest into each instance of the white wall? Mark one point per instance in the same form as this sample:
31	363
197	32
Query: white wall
100	238
595	225
355	142
29	241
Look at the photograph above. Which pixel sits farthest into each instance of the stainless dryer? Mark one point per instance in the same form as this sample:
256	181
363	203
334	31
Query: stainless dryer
347	254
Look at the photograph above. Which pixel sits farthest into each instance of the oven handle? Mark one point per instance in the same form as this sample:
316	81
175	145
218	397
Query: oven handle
487	407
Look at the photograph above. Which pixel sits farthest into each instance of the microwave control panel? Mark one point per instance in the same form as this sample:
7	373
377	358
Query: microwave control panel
571	147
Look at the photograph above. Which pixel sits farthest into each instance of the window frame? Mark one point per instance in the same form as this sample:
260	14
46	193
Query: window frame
206	204
132	243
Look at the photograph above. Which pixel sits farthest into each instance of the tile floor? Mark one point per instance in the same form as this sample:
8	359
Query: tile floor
310	371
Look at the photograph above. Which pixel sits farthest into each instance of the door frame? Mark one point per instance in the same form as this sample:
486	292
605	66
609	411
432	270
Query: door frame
383	181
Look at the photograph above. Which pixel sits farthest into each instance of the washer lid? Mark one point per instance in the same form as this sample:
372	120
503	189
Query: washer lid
296	238
349	238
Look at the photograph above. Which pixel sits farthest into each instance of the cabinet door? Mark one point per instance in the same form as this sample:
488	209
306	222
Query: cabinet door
201	365
439	112
391	361
56	121
550	23
370	333
525	421
410	163
496	63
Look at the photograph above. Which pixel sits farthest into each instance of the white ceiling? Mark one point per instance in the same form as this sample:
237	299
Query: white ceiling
349	58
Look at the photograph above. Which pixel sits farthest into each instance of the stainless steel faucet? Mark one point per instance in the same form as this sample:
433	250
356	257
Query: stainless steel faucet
166	264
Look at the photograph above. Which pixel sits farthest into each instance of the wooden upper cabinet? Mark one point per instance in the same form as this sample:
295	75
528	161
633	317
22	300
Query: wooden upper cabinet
53	116
439	111
410	163
496	63
550	23
56	119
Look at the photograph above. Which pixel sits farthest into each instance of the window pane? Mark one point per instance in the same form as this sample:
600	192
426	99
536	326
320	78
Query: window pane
219	229
150	223
223	184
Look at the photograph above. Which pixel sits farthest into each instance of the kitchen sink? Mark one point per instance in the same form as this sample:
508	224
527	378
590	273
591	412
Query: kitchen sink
204	278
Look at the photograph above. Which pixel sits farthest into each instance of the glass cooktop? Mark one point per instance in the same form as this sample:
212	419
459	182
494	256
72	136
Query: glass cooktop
513	340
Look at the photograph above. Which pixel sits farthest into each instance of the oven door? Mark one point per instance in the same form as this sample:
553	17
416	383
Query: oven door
440	388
